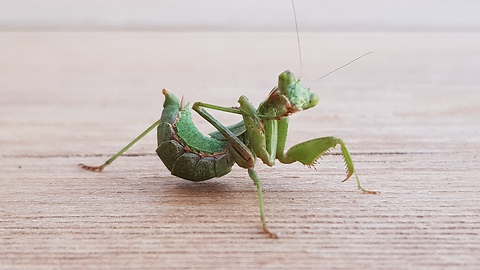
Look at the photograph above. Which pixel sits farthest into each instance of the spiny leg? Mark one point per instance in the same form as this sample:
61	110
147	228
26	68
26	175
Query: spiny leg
309	151
110	160
350	168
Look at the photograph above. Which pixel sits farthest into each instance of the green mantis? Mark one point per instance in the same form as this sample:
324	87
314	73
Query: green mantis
262	134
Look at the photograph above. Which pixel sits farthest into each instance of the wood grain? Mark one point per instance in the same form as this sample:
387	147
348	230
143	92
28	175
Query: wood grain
408	113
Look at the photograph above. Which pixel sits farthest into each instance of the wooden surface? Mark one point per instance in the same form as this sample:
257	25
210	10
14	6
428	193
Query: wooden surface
409	114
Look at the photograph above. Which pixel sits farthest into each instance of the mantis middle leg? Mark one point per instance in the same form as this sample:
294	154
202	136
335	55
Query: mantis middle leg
243	155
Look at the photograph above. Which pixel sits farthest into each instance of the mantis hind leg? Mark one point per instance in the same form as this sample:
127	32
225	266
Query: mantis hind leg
110	160
309	151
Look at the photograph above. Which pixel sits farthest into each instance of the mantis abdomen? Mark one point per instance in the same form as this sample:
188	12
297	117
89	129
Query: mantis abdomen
184	150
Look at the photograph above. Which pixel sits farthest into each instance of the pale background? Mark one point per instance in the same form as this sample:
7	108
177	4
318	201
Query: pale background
264	15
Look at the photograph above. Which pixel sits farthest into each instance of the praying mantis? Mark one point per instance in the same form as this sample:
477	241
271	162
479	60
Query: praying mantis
262	134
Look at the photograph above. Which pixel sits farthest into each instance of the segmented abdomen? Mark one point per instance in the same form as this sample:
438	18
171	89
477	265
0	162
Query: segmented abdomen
184	150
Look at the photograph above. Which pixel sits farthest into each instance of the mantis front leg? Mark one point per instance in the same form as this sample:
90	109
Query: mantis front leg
309	151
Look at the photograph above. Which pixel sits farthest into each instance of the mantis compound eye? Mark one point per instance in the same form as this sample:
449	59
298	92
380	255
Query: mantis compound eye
313	100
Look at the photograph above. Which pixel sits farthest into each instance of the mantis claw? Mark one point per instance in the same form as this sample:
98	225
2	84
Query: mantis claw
364	191
268	232
369	191
93	168
310	151
348	177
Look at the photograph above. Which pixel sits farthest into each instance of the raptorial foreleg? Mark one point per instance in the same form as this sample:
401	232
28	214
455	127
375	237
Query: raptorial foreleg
310	151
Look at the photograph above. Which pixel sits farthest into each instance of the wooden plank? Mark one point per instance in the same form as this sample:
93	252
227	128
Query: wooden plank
408	113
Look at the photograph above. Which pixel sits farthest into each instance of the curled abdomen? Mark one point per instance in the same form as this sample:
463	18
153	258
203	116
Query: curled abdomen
186	152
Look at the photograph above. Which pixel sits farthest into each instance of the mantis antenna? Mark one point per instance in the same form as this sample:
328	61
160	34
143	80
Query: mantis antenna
361	56
300	50
298	39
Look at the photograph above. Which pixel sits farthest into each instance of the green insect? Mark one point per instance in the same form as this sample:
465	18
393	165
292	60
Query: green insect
262	134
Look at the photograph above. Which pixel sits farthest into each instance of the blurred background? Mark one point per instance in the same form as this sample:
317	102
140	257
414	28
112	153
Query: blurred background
245	15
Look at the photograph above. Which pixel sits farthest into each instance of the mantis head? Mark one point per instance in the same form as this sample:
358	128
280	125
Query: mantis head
300	97
290	96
